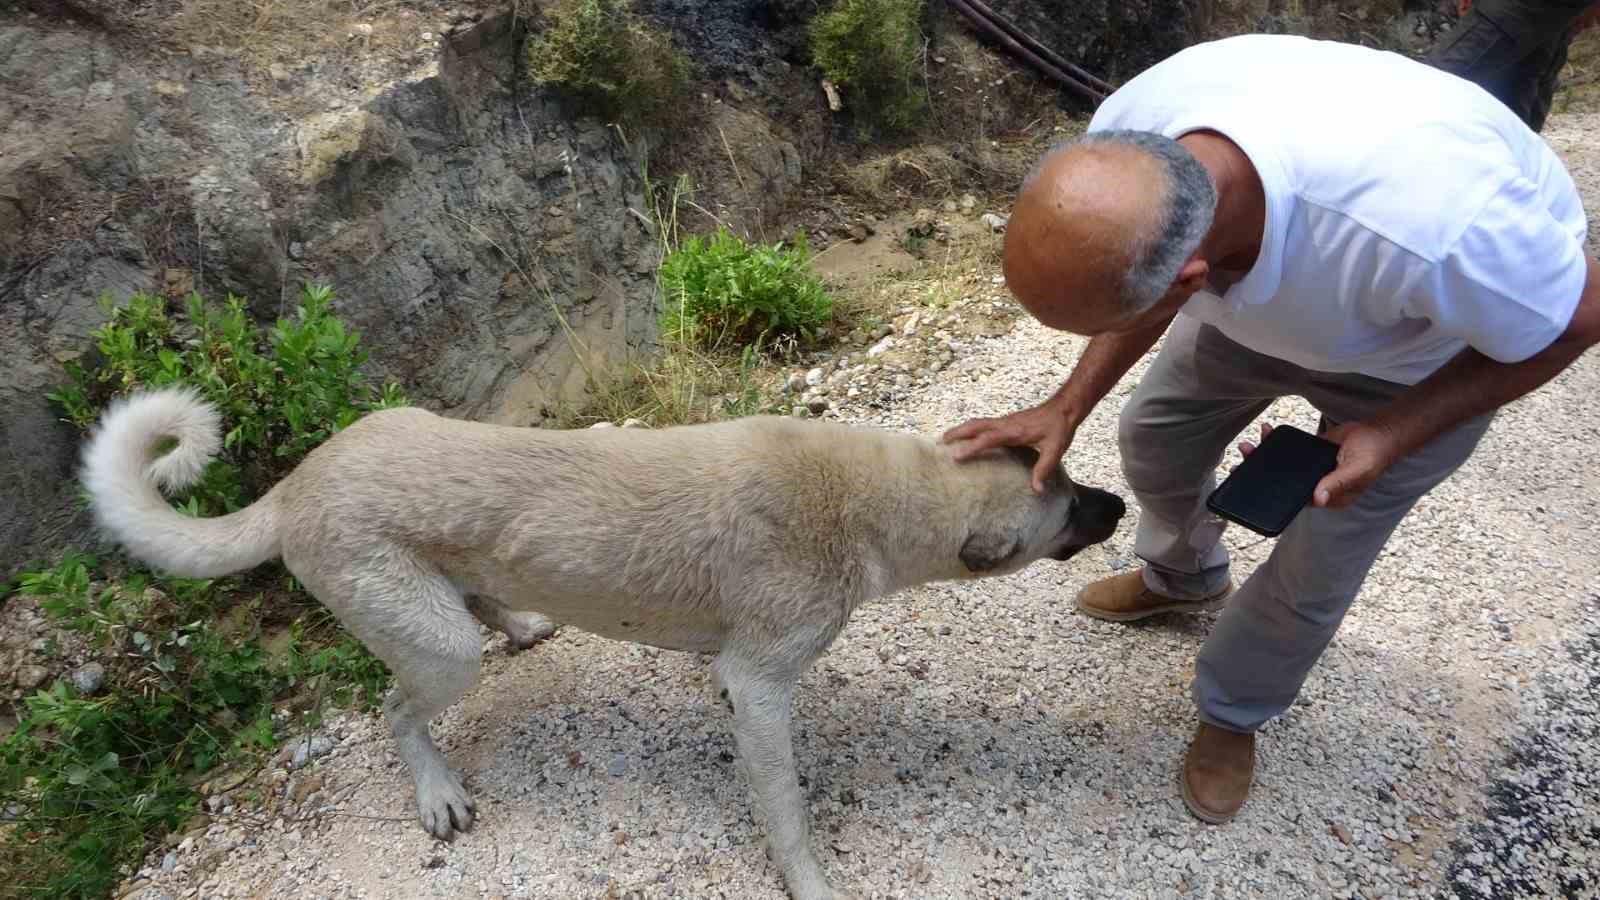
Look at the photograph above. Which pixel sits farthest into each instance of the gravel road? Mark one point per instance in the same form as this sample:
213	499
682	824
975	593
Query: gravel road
982	740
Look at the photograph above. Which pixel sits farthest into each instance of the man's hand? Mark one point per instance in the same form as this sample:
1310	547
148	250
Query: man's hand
1045	428
1366	451
1049	427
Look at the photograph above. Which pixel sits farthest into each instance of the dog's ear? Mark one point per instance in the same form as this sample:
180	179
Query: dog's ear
1025	455
985	551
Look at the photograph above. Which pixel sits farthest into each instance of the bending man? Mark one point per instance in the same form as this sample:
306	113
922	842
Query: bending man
1305	218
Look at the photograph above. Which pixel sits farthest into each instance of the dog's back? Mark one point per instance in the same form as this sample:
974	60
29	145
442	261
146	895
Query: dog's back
611	530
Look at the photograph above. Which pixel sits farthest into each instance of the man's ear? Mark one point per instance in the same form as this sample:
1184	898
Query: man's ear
1192	277
987	551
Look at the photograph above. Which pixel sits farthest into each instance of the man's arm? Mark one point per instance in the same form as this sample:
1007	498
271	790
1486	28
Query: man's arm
1050	426
1107	358
1469	385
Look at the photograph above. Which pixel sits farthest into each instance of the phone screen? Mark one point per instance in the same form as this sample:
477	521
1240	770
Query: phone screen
1272	485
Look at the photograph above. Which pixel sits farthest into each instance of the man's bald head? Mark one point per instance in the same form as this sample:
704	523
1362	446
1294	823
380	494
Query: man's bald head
1102	227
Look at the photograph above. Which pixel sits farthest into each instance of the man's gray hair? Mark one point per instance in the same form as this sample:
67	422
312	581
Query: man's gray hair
1190	201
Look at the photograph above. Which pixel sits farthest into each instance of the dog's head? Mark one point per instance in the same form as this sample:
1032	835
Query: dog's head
1007	525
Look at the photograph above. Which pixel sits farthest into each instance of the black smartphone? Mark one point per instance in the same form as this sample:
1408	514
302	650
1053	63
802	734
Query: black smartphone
1272	484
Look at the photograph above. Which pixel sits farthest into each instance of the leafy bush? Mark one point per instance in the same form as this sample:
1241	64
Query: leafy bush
722	292
89	781
602	54
281	393
872	49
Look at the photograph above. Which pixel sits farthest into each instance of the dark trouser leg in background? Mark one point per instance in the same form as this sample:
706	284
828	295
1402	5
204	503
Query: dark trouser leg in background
1514	49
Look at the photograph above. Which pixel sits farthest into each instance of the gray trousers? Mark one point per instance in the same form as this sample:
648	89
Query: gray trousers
1201	391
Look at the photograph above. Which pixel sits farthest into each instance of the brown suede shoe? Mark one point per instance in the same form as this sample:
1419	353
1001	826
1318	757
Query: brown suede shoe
1124	598
1216	773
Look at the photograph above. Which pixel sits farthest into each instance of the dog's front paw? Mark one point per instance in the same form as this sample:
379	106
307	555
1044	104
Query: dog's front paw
444	806
816	888
827	893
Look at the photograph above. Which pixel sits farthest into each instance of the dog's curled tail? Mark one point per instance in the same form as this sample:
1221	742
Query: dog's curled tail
123	472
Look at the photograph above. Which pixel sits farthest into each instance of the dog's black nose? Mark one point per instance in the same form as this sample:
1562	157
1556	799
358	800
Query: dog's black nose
1096	506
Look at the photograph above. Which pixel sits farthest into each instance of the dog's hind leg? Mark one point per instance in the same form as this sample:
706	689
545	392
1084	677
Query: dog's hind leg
761	696
417	622
523	628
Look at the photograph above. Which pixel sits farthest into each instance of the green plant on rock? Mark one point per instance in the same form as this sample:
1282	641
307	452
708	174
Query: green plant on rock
721	293
872	50
602	54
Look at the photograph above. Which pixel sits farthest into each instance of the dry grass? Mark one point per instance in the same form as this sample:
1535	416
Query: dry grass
291	31
252	24
679	386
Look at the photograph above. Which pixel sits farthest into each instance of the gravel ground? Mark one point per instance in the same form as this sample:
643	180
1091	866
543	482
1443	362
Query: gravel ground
982	740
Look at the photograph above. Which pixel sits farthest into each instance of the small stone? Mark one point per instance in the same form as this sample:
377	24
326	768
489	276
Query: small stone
813	378
968	203
297	250
949	206
89	679
170	861
305	788
363	29
880	347
618	766
604	425
427	35
817	406
305	750
633	423
797	383
30	677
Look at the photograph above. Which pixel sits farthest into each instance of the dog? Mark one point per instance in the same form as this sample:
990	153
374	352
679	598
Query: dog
752	539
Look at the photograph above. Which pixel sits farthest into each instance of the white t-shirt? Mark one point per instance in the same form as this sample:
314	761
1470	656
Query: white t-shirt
1410	214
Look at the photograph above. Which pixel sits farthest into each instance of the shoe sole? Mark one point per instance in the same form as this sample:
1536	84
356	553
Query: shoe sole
1200	812
1209	604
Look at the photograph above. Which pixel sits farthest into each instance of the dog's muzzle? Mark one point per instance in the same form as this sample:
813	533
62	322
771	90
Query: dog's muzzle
1093	520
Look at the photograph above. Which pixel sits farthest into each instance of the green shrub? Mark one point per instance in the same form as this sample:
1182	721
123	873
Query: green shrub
721	293
603	55
871	49
281	392
90	781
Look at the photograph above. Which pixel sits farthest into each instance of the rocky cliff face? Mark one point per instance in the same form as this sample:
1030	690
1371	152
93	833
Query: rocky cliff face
489	246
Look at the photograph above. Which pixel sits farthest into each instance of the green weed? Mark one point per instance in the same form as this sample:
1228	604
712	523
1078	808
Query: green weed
720	293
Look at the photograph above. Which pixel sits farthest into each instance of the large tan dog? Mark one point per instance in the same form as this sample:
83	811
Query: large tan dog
753	540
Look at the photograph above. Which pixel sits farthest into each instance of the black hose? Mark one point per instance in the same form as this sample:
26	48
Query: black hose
1047	69
1040	50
